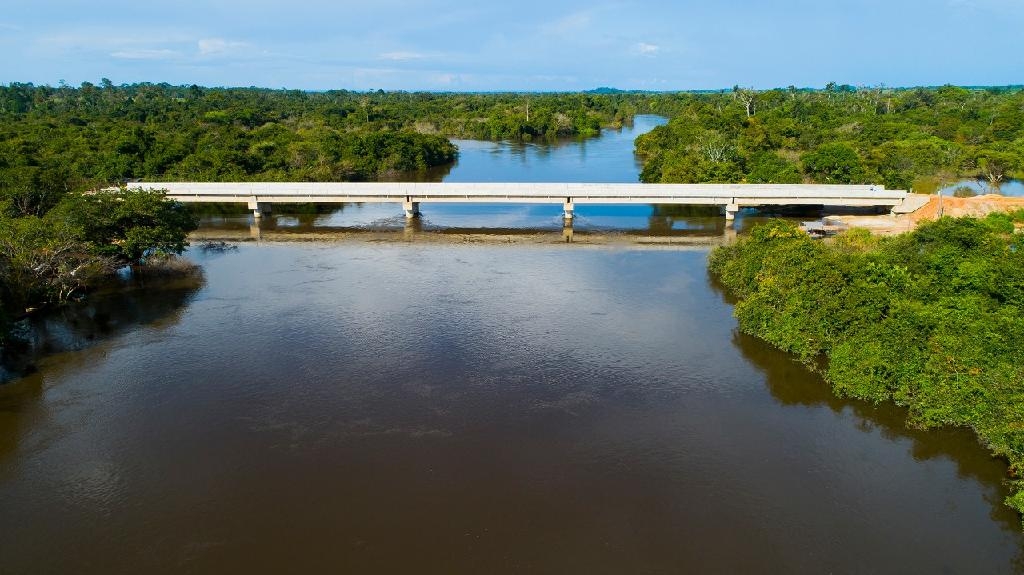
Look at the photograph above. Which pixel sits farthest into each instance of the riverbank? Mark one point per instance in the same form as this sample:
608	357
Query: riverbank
456	236
930	320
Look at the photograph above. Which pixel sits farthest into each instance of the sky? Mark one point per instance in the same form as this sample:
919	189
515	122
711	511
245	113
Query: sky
524	45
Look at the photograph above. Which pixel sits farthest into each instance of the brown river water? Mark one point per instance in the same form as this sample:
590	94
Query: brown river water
392	406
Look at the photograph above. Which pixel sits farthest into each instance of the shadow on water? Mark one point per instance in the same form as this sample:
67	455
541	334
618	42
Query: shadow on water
115	308
793	384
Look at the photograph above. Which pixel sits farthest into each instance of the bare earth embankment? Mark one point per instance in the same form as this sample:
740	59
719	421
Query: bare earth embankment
977	206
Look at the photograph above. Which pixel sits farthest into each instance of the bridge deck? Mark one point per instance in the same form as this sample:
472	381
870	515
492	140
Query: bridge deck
731	196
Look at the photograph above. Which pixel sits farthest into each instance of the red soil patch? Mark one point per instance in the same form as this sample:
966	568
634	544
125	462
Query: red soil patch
977	206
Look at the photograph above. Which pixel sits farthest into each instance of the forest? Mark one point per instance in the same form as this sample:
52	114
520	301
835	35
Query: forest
54	140
917	139
932	320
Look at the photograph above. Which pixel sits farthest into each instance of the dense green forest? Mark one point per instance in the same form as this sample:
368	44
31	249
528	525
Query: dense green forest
932	320
57	139
909	138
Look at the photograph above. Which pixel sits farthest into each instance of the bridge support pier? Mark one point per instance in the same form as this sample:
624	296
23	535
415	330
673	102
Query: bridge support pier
730	212
258	208
567	210
411	208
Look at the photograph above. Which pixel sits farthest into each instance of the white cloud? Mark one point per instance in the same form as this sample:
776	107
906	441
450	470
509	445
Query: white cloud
646	49
445	79
213	46
145	54
401	56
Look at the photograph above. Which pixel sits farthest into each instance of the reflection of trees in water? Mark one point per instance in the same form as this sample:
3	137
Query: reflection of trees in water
964	192
694	220
73	337
793	384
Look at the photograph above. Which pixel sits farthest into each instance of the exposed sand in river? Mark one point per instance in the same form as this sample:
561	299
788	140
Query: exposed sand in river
524	237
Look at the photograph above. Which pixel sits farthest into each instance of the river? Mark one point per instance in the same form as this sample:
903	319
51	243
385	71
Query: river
372	406
976	187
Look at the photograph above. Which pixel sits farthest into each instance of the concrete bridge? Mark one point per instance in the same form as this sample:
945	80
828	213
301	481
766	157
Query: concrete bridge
259	196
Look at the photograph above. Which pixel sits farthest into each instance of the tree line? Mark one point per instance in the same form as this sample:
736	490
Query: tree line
55	140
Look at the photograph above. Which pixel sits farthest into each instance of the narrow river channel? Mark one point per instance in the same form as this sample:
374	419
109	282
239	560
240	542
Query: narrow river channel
365	406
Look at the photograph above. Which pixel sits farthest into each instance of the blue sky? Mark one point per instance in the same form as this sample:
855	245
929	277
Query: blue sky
514	45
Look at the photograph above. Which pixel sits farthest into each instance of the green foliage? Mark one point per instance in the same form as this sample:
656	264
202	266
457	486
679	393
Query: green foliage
932	320
50	258
41	260
833	164
127	225
59	140
770	168
844	135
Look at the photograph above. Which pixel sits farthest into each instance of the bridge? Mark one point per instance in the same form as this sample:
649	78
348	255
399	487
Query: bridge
259	196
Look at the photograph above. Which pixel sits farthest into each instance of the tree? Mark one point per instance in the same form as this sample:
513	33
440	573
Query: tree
128	225
41	261
834	164
994	165
769	168
747	97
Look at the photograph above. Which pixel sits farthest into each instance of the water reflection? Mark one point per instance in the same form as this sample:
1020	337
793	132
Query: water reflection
376	221
977	186
385	399
58	343
792	384
120	306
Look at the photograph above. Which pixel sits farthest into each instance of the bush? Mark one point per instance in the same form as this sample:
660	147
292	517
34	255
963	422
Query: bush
128	225
834	164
